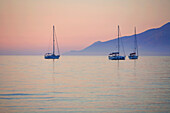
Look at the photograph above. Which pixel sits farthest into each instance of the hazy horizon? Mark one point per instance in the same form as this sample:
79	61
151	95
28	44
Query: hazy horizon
26	26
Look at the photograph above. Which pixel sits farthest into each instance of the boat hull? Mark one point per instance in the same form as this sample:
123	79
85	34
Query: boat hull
116	57
133	57
52	57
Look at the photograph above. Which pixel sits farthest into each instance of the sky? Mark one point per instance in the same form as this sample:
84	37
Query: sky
26	25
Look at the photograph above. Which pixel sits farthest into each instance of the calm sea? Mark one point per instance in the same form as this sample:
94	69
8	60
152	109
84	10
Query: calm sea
84	84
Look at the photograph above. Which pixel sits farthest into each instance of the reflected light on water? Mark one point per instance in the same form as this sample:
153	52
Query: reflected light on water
84	84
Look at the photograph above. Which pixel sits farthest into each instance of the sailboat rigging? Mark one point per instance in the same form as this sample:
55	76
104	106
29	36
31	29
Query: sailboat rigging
52	55
115	55
134	55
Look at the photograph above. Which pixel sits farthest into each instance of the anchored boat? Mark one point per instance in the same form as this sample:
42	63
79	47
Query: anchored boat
115	55
134	55
52	55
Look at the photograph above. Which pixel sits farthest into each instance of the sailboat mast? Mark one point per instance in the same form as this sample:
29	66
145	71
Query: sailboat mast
135	41
53	41
118	38
136	46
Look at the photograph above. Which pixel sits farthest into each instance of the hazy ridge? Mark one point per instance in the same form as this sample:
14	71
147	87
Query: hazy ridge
151	42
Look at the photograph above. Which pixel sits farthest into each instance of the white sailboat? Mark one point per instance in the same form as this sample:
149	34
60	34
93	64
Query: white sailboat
52	55
134	55
115	55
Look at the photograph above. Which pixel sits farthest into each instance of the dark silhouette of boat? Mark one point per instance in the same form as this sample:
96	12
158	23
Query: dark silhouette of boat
115	55
134	55
53	55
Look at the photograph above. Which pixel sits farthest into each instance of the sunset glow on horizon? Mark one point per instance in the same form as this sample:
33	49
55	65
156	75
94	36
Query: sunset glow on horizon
26	26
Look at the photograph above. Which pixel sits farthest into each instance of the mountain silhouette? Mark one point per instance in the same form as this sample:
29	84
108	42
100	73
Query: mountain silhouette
153	42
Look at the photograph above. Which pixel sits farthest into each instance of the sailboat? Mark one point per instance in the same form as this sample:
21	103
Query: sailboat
52	55
115	55
134	55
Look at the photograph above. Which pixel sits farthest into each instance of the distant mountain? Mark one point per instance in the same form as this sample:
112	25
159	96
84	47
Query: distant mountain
154	42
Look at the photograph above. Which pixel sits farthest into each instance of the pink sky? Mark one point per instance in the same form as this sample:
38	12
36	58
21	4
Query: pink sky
26	25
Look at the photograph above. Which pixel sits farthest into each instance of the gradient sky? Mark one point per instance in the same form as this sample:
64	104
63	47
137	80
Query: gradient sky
26	25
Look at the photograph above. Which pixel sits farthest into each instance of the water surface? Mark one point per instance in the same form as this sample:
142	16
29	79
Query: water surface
84	84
